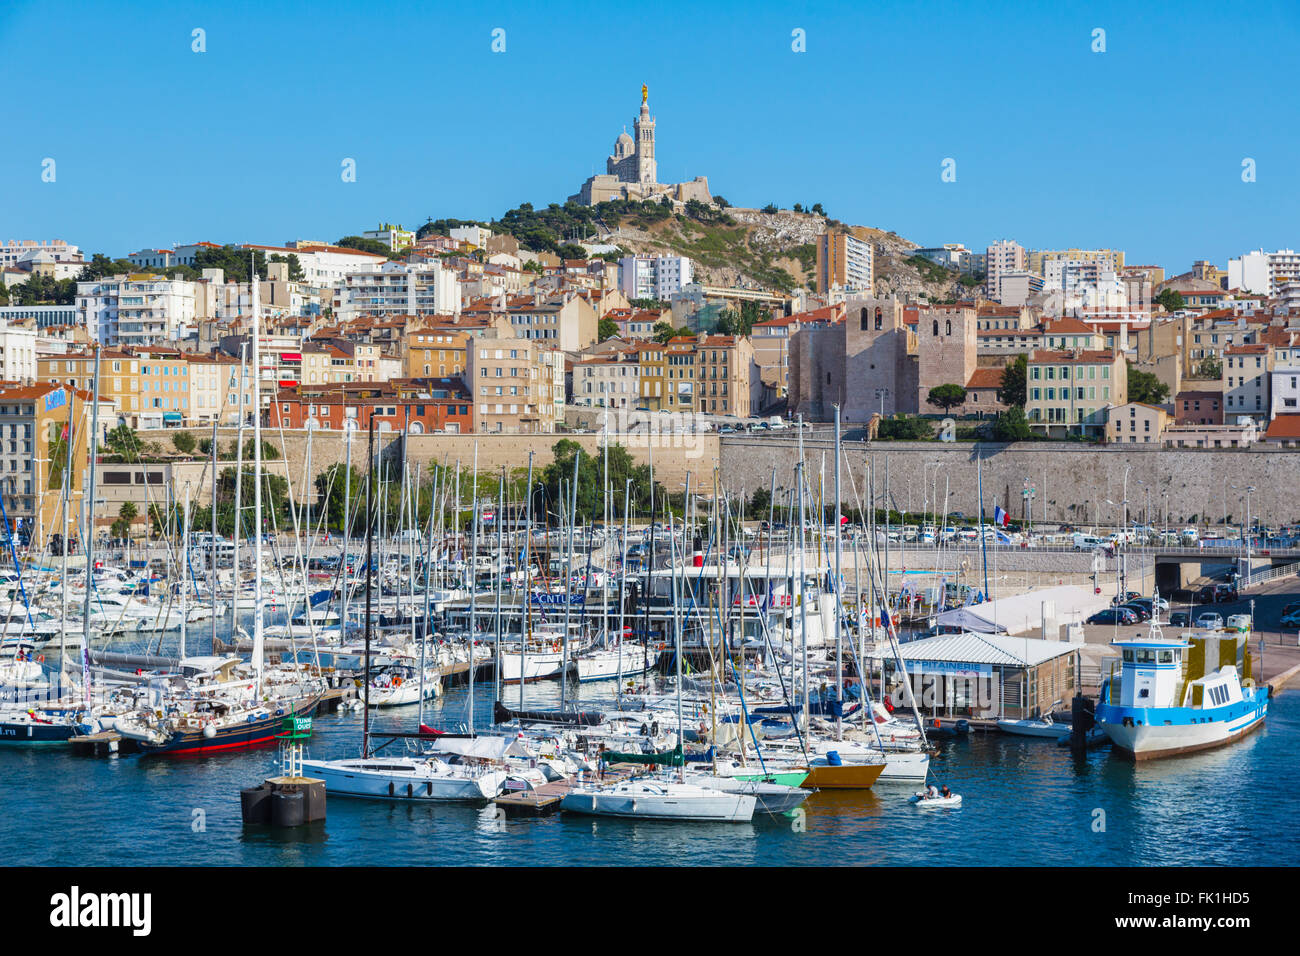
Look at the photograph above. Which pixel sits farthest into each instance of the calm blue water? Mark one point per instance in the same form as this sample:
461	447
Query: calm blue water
1026	803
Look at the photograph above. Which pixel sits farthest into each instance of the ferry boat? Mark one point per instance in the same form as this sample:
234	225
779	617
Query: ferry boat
1178	695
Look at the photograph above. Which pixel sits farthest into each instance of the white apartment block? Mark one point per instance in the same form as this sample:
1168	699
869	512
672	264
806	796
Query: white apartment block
1285	391
17	354
1002	257
398	288
141	310
322	264
1247	373
394	237
152	258
474	235
1263	272
657	277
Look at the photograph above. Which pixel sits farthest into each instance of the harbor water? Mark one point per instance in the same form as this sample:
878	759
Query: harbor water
1027	802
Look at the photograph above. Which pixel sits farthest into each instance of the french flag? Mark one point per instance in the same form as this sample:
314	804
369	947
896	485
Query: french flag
1000	517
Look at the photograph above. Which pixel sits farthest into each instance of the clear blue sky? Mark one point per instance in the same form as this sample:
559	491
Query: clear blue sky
1138	148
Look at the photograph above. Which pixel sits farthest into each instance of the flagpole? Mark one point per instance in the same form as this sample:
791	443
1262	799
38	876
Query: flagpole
984	547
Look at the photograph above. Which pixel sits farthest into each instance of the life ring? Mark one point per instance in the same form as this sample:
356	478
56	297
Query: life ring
40	658
937	724
397	681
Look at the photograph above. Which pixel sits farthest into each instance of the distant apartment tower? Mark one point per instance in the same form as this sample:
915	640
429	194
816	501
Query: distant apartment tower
1263	272
474	235
844	262
654	277
1002	257
1040	259
1016	286
394	237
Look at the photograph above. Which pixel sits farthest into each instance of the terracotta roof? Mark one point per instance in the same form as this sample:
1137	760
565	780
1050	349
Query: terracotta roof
1084	356
1284	427
985	378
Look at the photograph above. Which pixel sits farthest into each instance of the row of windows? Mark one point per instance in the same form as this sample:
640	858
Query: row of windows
1037	394
1049	372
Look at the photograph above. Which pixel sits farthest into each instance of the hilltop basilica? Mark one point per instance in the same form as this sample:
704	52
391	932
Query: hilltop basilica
632	173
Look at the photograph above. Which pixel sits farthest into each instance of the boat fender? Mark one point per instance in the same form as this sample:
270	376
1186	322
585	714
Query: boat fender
209	731
654	728
40	658
645	730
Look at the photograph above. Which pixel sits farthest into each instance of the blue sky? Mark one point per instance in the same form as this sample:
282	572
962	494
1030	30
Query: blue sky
1139	147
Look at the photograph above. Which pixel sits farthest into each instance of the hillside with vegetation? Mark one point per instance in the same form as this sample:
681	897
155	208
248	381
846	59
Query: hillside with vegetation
768	248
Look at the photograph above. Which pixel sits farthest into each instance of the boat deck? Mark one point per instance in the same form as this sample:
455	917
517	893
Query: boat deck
546	799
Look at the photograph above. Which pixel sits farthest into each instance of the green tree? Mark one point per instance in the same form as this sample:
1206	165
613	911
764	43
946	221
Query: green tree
607	329
361	244
553	496
947	396
1210	367
330	487
721	203
124	442
759	503
1014	391
1012	425
905	428
184	442
571	250
1170	299
1145	387
818	210
770	209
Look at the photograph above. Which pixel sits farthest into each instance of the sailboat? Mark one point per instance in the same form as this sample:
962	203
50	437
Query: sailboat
668	796
471	769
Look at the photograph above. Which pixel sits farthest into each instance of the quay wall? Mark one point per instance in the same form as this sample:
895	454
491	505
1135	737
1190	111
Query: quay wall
675	455
1071	483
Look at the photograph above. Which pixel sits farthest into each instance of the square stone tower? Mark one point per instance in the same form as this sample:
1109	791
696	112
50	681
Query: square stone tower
946	349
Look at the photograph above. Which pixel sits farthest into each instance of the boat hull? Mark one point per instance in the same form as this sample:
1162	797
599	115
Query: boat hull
256	733
723	808
1145	734
824	776
349	780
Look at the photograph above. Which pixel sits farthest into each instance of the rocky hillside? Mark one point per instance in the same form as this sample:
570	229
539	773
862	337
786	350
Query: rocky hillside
777	250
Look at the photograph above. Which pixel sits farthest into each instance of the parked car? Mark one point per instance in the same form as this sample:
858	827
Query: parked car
1114	615
1290	620
1225	593
1125	598
1210	621
1143	613
1180	619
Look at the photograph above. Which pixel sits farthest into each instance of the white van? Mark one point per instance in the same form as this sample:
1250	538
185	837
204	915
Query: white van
1088	542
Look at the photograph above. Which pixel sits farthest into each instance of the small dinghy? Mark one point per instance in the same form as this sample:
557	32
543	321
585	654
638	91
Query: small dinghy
923	801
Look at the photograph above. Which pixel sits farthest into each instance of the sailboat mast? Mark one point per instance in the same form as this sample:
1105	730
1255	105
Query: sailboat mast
568	583
526	631
258	610
212	553
501	569
473	586
839	647
185	567
239	480
370	527
88	506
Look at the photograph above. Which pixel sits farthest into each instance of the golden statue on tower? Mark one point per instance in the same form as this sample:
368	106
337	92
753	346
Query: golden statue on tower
645	92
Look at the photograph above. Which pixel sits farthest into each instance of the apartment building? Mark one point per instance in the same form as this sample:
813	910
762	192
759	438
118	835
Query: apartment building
771	343
652	360
1247	370
1198	407
513	384
844	262
136	309
119	379
1069	391
654	277
608	380
32	419
1136	423
423	406
725	376
398	288
1263	272
394	237
1002	257
164	387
